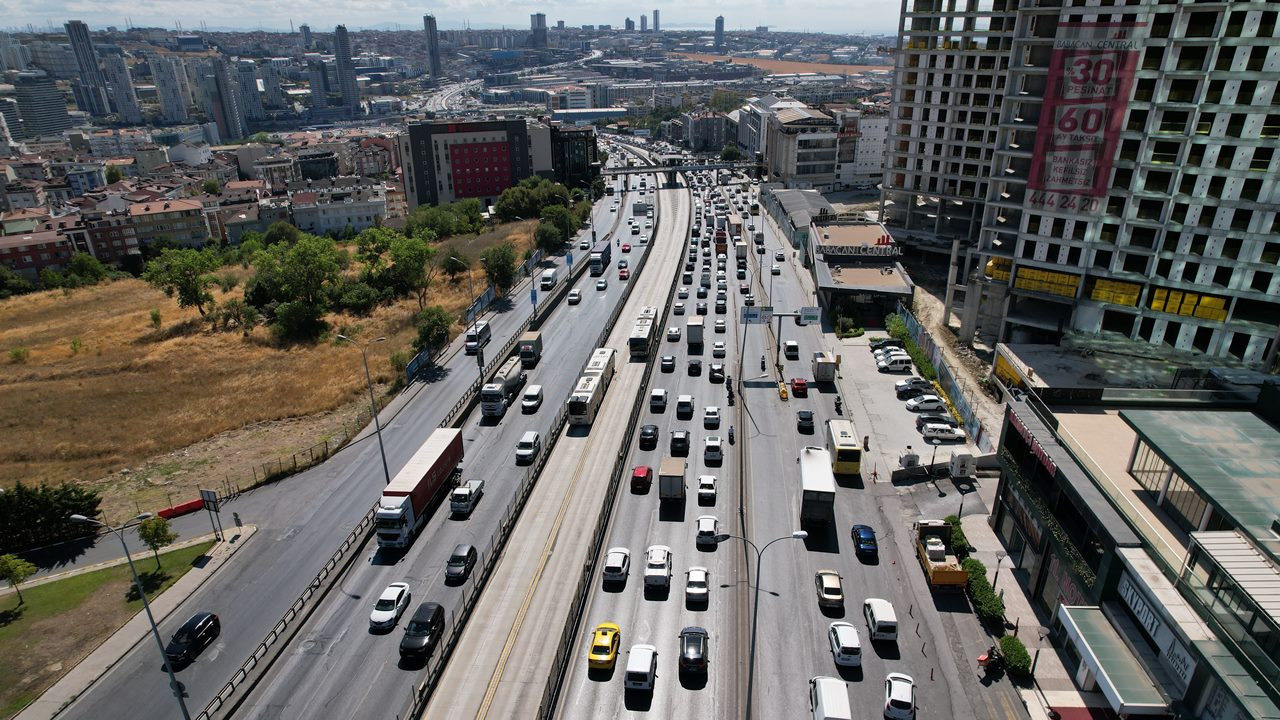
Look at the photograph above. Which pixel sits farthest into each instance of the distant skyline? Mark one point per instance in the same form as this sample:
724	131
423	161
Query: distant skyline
874	17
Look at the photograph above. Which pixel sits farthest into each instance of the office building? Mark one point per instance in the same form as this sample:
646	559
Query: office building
447	161
222	98
644	23
91	89
169	74
433	48
719	32
862	140
538	27
305	31
802	148
250	97
41	105
275	99
122	93
655	22
575	158
629	25
346	71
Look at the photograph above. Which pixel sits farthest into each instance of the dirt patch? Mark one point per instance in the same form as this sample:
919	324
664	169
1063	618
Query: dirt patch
775	67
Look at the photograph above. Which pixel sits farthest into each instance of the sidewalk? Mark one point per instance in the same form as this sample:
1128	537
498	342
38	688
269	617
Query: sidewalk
81	677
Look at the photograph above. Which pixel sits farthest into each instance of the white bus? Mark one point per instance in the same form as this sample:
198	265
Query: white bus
584	402
817	486
641	339
600	365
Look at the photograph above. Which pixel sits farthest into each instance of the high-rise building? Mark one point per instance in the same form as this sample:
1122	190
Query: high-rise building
222	97
13	54
271	86
41	104
1102	173
719	32
319	82
433	47
346	70
168	73
56	59
656	27
644	23
250	97
538	25
12	116
305	31
120	85
629	25
91	90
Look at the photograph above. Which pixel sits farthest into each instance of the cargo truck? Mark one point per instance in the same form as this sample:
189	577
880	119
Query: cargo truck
693	331
497	394
530	348
817	486
464	498
598	261
740	250
402	509
671	479
941	566
824	367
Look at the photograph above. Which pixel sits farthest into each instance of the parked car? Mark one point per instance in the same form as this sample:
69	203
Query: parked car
944	433
908	393
880	343
913	382
197	633
926	402
935	419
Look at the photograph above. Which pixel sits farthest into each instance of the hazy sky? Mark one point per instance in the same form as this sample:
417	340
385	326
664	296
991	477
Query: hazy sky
846	16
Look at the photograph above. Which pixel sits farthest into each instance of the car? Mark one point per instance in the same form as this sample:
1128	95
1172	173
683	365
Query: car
708	528
602	284
722	285
623	262
721	296
642	669
713	449
717	349
657	566
722	307
864	541
779	256
791	349
575	296
648	437
460	562
613	208
680	442
804	421
720	325
642	477
423	631
695	367
617	564
908	393
706	489
694	648
749	300
626	247
584	245
193	636
744	288
702	292
624	274
711	416
716	374
926	402
889	354
760	250
944	433
799	388
880	343
913	382
677	309
899	697
532	399
932	419
668	363
604	646
673	334
846	649
390	606
775	269
702	308
683	293
696	585
830	591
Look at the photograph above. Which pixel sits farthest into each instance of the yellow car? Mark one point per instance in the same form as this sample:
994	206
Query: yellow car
604	646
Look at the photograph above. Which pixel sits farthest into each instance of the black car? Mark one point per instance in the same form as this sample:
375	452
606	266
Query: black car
923	420
668	363
680	442
423	632
694	649
907	393
864	540
648	437
460	563
702	308
716	374
195	635
721	307
804	421
695	367
884	343
702	292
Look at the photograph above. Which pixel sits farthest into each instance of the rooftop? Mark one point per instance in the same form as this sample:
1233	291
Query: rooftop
158	207
854	235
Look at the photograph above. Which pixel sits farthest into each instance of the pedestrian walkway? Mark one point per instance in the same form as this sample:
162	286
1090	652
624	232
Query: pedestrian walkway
81	677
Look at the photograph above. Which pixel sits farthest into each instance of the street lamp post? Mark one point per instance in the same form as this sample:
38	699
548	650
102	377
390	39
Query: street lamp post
373	405
155	631
755	610
1000	556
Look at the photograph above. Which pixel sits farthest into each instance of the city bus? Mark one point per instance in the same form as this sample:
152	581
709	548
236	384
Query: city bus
817	486
584	402
846	450
641	339
600	365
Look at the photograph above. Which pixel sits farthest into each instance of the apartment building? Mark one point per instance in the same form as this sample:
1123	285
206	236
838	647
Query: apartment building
180	222
330	207
801	148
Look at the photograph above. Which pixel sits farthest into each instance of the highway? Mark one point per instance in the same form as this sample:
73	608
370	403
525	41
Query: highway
301	521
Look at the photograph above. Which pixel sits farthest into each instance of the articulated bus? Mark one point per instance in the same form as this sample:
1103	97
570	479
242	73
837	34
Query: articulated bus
846	449
600	365
584	402
641	339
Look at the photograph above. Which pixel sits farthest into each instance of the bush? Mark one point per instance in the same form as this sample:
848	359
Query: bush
959	543
986	603
19	354
298	321
1017	661
973	566
356	298
897	328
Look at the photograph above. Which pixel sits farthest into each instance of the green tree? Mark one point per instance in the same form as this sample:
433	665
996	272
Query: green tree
730	153
597	188
297	320
371	248
236	313
87	268
724	101
499	263
433	325
36	515
15	570
211	187
562	218
155	533
412	268
307	267
547	237
454	264
114	175
11	283
184	272
281	232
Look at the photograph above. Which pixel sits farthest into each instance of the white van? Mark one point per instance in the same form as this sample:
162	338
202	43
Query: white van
895	363
478	336
657	400
829	699
528	448
642	668
548	279
882	622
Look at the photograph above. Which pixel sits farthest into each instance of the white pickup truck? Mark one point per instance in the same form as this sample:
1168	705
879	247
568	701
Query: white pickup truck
464	498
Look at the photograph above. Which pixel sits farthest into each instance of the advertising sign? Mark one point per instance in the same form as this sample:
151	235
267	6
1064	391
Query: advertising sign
1091	72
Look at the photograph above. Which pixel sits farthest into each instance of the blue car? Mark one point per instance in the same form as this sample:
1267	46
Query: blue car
864	540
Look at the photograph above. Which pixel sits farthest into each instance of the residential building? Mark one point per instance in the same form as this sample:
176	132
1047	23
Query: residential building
434	65
447	161
333	206
656	27
629	25
180	222
13	55
568	97
56	59
275	99
111	236
277	171
21	194
91	88
169	76
222	101
719	37
802	144
28	253
250	98
644	23
150	157
705	130
346	71
85	177
41	104
862	141
118	141
120	87
317	163
304	31
318	84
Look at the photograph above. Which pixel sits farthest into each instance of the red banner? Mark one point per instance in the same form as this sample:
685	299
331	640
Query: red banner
1090	77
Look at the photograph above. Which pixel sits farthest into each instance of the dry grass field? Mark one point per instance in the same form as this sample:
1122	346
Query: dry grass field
787	66
105	399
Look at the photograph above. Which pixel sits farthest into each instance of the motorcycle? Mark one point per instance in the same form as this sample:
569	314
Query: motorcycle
730	434
761	363
839	407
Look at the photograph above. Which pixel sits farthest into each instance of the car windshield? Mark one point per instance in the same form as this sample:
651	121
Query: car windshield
385	604
657	560
417	628
693	644
182	637
899	703
457	561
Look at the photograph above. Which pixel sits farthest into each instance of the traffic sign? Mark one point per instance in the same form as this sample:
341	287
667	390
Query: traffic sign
757	315
810	315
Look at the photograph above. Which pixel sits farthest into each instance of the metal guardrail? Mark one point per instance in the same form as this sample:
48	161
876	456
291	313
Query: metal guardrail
357	537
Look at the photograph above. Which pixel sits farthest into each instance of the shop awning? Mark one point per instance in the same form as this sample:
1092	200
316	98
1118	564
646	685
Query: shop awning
1120	676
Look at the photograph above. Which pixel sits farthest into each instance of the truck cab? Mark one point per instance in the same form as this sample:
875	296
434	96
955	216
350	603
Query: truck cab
464	498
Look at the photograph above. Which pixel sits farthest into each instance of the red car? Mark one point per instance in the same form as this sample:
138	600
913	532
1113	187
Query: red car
623	274
641	478
626	247
799	387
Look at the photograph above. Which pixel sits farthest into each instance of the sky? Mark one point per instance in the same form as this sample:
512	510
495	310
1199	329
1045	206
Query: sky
836	16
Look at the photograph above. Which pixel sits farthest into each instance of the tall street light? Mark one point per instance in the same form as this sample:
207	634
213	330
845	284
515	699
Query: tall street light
755	610
373	406
155	631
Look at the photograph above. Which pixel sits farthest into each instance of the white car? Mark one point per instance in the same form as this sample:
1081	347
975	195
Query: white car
532	398
712	449
926	402
707	489
673	334
602	284
939	431
696	584
617	564
720	325
677	309
657	566
899	697
711	416
775	270
886	353
912	382
846	649
708	527
584	245
575	296
390	606
717	349
683	293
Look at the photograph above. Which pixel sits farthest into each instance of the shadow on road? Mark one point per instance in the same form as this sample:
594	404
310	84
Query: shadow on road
57	556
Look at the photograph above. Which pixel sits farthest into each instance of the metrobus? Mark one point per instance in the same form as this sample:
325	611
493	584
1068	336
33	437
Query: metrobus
641	339
600	365
817	486
846	450
584	402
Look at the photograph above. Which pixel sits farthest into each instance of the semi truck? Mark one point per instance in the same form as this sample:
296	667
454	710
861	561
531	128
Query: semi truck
817	486
693	330
402	509
941	566
530	348
464	498
671	479
824	367
497	394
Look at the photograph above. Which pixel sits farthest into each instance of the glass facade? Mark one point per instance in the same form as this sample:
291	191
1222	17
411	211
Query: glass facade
1149	469
1185	505
1254	632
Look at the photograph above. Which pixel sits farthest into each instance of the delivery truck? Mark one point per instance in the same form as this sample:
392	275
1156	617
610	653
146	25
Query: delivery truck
824	367
548	280
671	479
498	393
817	486
403	507
530	348
693	330
937	557
464	498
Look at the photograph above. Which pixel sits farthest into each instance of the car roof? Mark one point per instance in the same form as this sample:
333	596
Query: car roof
694	629
426	610
195	620
461	549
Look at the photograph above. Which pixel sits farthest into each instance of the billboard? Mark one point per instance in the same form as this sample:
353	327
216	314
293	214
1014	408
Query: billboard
1091	74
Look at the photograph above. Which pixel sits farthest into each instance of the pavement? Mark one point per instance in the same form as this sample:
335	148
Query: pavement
81	677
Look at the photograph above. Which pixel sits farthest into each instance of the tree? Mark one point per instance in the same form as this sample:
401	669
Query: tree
238	313
11	283
499	263
433	325
307	266
730	153
281	232
36	515
454	264
411	267
724	101
563	218
155	533
16	571
547	237
114	175
597	188
211	187
87	268
184	272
